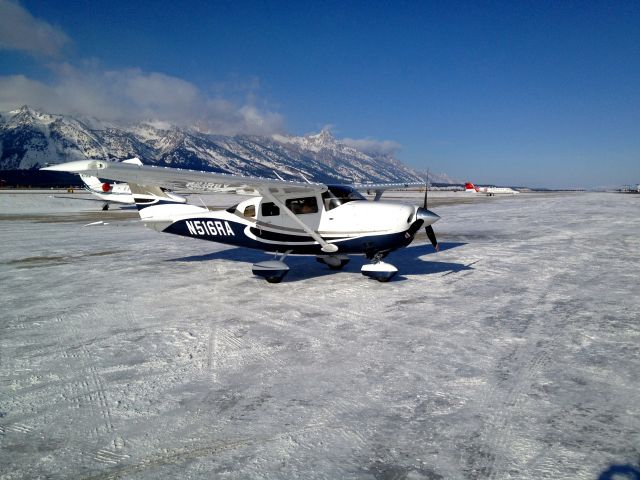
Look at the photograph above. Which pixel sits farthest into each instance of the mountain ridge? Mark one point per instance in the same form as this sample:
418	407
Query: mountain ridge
29	139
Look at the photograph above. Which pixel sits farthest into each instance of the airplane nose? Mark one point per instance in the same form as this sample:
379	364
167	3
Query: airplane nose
427	216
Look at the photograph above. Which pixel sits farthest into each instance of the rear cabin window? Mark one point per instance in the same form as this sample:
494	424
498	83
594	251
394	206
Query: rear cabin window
270	209
302	205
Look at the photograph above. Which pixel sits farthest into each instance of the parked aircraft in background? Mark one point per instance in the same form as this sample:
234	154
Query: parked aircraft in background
287	218
490	191
630	189
118	193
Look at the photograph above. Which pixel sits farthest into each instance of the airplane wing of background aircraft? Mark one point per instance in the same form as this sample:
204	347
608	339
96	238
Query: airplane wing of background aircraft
118	193
287	218
490	191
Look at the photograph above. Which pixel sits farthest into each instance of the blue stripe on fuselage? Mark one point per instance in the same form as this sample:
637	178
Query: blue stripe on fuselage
233	233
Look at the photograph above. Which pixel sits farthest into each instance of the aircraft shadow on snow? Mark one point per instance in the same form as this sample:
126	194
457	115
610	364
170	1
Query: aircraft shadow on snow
408	261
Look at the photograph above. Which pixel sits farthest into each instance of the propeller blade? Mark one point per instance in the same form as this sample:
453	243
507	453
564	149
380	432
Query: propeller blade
425	204
432	237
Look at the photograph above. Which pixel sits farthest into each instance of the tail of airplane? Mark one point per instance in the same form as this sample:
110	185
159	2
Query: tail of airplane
95	185
470	187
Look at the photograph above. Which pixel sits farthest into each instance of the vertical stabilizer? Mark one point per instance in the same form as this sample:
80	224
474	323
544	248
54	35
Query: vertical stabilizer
94	183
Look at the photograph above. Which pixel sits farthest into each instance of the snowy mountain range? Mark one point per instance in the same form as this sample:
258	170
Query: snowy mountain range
30	139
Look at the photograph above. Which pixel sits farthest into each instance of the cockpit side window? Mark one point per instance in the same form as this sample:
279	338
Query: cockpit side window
330	201
336	195
269	209
250	211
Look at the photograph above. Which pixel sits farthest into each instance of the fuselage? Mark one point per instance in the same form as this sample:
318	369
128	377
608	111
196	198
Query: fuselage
471	188
353	224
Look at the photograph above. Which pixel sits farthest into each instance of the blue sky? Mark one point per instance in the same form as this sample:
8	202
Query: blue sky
515	93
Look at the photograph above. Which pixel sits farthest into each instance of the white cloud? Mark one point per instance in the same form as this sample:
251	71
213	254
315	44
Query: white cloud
19	30
135	95
373	146
129	94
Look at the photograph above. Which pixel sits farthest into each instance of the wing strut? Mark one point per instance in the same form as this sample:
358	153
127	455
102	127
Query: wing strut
326	247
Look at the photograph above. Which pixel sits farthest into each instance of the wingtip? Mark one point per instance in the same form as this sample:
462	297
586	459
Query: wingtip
75	167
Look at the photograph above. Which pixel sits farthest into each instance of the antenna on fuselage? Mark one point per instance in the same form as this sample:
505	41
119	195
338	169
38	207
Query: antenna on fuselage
203	204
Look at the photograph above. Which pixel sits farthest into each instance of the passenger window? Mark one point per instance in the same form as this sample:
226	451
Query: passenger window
250	211
302	205
270	209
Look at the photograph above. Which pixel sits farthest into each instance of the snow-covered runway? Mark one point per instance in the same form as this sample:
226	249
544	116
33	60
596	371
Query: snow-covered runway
513	353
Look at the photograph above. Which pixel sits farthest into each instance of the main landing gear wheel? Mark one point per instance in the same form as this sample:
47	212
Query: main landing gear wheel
334	262
273	271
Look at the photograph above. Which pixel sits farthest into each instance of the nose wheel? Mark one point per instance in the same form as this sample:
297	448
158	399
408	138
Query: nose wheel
379	270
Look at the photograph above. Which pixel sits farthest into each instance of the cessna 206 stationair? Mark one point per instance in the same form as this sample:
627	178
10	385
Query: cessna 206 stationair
288	217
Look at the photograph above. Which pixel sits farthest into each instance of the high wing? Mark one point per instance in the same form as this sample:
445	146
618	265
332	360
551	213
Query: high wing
175	178
148	177
380	188
387	186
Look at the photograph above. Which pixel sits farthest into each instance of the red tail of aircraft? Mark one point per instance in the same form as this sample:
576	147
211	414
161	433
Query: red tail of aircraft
470	186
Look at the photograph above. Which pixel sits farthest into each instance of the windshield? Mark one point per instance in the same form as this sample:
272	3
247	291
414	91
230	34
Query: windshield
336	195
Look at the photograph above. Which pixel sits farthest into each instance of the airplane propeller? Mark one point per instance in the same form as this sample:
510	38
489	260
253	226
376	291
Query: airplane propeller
429	217
432	237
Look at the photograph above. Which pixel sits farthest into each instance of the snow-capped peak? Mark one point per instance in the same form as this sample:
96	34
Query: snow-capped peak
31	138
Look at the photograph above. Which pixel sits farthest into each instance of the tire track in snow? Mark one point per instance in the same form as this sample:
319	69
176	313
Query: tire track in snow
199	450
89	392
21	428
212	353
101	395
503	398
502	432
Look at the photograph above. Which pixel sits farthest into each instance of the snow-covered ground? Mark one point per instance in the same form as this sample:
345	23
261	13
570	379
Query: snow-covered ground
513	353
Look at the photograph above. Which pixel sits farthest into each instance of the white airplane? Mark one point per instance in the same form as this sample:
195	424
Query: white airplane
119	193
490	191
630	189
287	218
